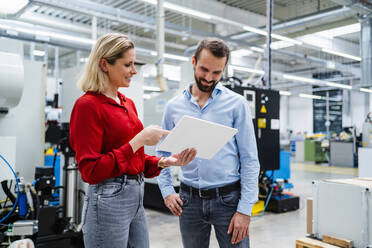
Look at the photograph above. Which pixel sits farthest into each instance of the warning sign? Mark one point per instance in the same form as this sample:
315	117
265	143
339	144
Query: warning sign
263	109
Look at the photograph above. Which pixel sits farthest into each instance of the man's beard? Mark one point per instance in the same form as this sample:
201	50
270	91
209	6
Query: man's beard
205	88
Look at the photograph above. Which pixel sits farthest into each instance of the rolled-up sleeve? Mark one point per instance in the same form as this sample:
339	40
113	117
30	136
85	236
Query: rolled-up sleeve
250	166
165	177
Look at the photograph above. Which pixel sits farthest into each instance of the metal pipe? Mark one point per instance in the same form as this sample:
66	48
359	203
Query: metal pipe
366	51
342	11
269	17
160	38
71	195
94	28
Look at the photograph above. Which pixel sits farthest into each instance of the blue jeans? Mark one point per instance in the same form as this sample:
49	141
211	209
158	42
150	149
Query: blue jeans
113	215
199	214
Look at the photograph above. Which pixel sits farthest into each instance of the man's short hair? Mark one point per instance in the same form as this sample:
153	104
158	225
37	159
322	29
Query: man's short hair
216	46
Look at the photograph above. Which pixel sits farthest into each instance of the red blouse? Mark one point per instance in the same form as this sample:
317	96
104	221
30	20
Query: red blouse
100	131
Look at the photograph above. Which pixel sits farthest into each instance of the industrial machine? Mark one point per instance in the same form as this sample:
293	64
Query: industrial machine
274	173
31	210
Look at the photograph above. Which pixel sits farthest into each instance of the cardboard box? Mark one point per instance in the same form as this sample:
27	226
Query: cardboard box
309	215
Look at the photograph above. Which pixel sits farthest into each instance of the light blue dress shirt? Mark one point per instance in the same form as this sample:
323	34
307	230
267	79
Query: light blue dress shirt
237	160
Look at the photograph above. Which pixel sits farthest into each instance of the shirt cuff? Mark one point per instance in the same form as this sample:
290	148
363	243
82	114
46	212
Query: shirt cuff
127	153
167	191
245	208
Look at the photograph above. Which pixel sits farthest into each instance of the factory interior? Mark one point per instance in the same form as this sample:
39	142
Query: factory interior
303	66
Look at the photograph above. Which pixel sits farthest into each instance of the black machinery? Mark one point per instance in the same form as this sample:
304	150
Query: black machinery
265	106
44	217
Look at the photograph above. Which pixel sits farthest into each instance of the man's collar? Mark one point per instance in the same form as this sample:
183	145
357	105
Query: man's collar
216	91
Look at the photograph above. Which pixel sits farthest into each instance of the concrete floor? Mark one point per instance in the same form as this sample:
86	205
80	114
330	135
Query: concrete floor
271	230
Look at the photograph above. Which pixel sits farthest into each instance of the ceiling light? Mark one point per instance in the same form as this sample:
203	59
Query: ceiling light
366	90
301	79
185	10
44	35
257	49
240	68
310	96
171	56
280	44
348	29
12	7
255	30
342	54
181	9
39	53
284	93
241	52
151	88
344	86
281	37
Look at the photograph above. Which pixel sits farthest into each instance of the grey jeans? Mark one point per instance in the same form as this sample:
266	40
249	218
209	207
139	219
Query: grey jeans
113	215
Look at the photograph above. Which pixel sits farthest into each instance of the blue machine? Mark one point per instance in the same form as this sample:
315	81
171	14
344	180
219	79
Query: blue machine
284	172
280	201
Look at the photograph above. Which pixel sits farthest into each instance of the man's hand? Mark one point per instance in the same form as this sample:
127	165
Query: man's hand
240	225
181	159
174	203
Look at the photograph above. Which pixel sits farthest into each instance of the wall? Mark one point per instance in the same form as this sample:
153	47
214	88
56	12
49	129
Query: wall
300	114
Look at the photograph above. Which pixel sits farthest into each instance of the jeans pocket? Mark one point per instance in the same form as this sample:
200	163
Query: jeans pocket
185	197
231	199
84	212
109	190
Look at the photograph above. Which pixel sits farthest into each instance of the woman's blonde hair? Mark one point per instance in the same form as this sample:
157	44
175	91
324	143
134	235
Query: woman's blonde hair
111	47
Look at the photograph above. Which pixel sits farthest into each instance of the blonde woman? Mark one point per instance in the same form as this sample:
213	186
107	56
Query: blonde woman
108	139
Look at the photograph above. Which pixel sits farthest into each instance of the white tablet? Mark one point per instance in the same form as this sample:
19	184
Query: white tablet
205	136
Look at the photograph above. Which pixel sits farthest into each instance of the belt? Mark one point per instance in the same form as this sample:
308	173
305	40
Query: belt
124	177
212	193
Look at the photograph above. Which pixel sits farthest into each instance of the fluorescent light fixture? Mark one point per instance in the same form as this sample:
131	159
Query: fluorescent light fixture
185	10
344	86
44	35
280	44
257	49
342	54
331	65
39	53
276	36
13	6
284	93
84	60
310	96
348	29
246	69
366	90
181	9
171	56
151	88
281	37
241	52
255	30
301	79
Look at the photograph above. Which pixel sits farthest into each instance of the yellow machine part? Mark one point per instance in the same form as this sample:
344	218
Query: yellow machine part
258	208
261	123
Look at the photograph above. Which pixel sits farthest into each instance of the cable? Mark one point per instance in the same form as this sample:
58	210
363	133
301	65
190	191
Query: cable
16	202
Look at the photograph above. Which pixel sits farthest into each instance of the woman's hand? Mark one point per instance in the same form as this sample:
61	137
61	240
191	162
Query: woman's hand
181	159
149	136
